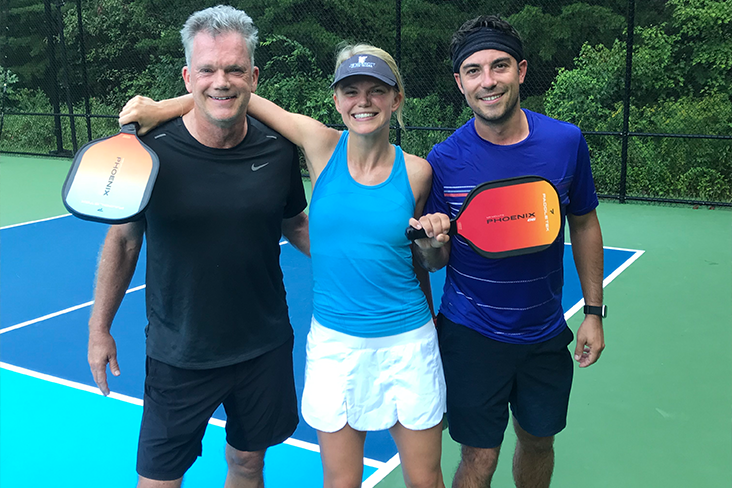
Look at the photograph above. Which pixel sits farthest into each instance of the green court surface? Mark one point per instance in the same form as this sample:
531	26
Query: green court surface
30	188
655	411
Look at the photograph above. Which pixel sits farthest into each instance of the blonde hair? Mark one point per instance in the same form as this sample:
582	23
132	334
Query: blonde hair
352	50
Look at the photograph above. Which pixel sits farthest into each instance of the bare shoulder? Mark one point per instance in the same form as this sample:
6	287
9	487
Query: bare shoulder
321	136
419	170
319	145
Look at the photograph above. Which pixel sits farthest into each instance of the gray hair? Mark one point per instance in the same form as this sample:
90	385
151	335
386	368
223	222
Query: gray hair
220	19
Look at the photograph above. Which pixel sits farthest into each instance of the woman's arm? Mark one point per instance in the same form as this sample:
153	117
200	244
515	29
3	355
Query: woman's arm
431	253
149	114
419	172
315	139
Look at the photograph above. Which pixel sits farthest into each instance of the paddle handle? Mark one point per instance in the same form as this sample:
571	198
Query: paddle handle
413	234
130	128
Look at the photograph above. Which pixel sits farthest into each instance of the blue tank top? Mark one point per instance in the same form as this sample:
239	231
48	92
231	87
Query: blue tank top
363	278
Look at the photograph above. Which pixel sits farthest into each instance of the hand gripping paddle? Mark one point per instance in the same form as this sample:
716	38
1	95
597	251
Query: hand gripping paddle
507	217
111	179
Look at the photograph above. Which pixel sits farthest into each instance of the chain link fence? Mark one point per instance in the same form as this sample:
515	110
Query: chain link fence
649	83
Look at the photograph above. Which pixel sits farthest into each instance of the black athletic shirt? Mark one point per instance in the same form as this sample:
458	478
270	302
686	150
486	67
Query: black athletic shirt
214	292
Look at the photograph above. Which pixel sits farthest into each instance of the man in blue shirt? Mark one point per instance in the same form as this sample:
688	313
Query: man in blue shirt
502	331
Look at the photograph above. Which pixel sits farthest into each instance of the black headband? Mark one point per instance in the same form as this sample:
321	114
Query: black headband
486	38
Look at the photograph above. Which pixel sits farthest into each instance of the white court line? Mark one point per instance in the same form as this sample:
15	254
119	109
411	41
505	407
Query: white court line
70	384
70	309
622	249
391	465
382	472
217	422
34	221
636	254
309	446
622	267
56	314
383	469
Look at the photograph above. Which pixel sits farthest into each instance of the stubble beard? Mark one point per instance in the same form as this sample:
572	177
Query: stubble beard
228	122
500	118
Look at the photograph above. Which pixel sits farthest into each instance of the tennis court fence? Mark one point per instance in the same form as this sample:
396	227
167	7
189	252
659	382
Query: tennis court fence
649	82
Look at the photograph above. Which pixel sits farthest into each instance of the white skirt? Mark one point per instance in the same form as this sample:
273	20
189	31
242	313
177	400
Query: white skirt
371	383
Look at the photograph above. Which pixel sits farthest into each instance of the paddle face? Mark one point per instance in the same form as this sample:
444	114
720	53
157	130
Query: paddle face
111	179
509	217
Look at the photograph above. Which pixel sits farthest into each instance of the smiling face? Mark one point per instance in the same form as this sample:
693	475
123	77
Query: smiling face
490	81
365	103
221	78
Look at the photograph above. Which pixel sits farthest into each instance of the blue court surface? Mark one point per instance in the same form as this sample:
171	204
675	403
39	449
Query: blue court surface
57	430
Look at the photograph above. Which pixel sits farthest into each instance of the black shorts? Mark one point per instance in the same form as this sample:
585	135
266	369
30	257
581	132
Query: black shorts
485	376
258	395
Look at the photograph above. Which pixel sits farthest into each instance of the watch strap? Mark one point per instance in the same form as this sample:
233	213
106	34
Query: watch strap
593	310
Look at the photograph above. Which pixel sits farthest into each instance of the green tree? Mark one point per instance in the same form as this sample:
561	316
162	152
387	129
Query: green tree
671	93
25	42
705	28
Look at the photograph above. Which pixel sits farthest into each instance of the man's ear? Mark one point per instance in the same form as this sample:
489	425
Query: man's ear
255	78
523	66
459	82
187	78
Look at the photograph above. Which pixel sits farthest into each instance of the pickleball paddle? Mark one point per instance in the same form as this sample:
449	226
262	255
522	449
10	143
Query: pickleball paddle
111	179
507	217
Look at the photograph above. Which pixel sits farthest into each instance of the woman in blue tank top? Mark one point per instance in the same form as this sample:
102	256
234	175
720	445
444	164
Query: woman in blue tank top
372	356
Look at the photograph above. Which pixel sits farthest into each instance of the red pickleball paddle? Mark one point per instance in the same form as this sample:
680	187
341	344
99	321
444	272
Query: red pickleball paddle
507	217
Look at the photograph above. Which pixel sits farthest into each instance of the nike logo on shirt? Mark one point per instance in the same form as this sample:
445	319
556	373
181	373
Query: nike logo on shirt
257	168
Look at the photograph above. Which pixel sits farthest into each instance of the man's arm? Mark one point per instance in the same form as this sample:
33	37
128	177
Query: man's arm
116	266
586	237
295	230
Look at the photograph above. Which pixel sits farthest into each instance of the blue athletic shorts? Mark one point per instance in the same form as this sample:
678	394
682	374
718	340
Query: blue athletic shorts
258	396
484	377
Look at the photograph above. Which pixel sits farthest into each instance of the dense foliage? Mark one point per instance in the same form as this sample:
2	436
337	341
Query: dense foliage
681	77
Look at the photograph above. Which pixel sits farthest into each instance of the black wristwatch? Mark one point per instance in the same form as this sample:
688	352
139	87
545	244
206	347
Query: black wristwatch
591	310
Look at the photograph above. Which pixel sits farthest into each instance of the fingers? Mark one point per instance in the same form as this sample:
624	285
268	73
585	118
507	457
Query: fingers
102	351
436	226
585	357
579	349
129	110
590	343
99	372
100	377
135	110
588	357
114	366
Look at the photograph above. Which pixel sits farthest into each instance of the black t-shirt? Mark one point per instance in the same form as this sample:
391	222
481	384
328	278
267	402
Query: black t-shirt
214	292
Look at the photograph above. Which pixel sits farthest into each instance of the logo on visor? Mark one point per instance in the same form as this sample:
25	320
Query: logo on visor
362	63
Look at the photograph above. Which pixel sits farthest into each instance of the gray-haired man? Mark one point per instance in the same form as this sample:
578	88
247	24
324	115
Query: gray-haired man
218	328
